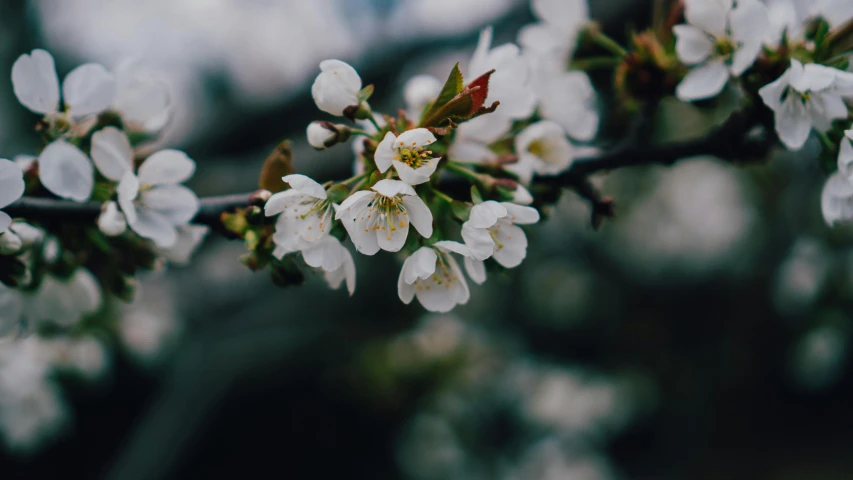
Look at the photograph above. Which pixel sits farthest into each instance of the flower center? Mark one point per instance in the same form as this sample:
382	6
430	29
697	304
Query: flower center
413	156
539	148
386	214
318	208
723	47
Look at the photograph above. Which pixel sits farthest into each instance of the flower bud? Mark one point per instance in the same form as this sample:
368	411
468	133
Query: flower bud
259	198
112	222
318	135
322	135
29	234
336	88
10	243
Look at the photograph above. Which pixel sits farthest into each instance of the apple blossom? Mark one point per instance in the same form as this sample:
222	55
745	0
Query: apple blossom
433	276
142	97
413	163
509	83
492	231
330	256
380	217
555	35
11	189
719	40
336	88
305	215
152	201
66	171
805	98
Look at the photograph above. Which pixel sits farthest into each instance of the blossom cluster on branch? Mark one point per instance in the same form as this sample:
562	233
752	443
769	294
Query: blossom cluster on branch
449	182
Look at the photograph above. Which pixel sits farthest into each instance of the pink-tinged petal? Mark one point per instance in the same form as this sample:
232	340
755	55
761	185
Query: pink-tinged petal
385	152
419	215
306	185
393	188
66	171
88	89
112	153
35	82
703	82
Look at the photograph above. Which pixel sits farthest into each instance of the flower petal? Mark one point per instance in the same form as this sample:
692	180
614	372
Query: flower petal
127	191
520	215
112	153
393	188
385	152
392	236
336	87
142	97
88	89
476	270
12	184
419	215
703	82
512	246
35	82
153	226
567	14
412	176
837	199
420	264
352	206
845	159
486	214
478	241
455	247
418	137
709	15
176	203
421	90
364	239
326	254
5	221
306	185
282	201
793	124
66	171
166	167
692	44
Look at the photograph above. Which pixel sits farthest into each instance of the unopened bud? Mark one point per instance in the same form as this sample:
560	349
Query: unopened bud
259	198
512	191
10	243
255	215
358	112
29	234
322	135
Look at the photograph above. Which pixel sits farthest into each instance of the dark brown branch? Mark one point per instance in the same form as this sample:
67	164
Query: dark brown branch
50	209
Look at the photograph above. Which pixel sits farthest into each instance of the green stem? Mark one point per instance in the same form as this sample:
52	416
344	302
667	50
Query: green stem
442	195
595	63
463	171
356	131
355	178
374	122
607	43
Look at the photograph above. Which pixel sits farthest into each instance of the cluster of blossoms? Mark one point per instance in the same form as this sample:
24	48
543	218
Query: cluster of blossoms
97	129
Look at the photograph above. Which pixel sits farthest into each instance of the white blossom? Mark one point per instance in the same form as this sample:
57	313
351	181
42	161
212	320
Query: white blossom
542	148
568	99
336	88
111	221
318	135
413	163
153	202
380	217
432	275
189	239
521	196
11	189
718	42
305	215
142	97
492	231
555	35
88	89
805	98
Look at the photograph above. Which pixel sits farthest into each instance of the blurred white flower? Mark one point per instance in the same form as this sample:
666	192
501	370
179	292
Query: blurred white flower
88	89
11	189
509	84
837	199
336	88
334	260
142	97
413	163
792	16
112	222
432	275
153	201
805	98
305	215
380	218
568	99
189	239
492	231
521	196
318	135
420	91
718	41
66	171
542	148
554	37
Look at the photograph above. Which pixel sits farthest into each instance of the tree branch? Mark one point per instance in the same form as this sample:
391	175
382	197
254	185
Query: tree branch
210	210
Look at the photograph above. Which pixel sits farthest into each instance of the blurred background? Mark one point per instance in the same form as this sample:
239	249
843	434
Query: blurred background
704	333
